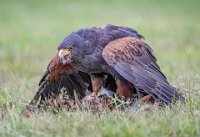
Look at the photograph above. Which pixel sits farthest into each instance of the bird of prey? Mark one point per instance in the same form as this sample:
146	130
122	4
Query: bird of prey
56	77
120	52
64	78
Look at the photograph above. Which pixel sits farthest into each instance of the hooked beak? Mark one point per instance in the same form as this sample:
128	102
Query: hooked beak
64	56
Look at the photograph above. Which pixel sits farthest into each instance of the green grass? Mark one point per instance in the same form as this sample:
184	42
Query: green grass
31	30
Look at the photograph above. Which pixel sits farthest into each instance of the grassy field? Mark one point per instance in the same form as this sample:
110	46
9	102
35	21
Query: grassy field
31	30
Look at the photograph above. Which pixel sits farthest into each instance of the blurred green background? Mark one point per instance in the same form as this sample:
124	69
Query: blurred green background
30	32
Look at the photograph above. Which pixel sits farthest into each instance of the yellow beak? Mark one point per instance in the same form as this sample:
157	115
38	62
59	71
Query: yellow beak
63	53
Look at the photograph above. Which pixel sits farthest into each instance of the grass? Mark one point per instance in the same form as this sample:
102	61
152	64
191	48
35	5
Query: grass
31	30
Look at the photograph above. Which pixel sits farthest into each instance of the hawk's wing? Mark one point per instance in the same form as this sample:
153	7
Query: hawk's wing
133	60
61	77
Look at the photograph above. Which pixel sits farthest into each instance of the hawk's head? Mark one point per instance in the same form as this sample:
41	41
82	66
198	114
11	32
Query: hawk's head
70	48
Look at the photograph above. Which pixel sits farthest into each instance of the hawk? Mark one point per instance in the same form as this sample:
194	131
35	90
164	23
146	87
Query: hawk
120	52
60	77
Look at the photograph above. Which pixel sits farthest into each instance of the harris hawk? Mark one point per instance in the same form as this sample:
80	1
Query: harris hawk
122	53
60	77
56	77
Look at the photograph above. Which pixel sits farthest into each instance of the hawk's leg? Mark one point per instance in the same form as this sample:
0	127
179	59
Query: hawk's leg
98	80
124	88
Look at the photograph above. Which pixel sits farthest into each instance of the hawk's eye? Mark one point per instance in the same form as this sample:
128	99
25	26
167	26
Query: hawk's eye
70	48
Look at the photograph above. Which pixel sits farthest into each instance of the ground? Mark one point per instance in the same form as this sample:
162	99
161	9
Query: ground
30	32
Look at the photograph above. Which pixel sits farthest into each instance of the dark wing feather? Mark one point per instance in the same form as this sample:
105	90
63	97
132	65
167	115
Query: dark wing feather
121	31
58	77
133	60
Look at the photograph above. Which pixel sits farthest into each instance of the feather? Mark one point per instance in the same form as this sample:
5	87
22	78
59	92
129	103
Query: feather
58	77
139	67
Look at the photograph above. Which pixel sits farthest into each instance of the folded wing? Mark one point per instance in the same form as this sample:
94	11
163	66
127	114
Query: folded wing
133	60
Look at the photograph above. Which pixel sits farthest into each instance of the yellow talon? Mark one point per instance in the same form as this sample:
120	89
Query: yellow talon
94	94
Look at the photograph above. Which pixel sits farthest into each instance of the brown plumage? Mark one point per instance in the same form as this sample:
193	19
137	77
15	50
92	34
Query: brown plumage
59	77
120	52
132	58
56	69
124	89
125	50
